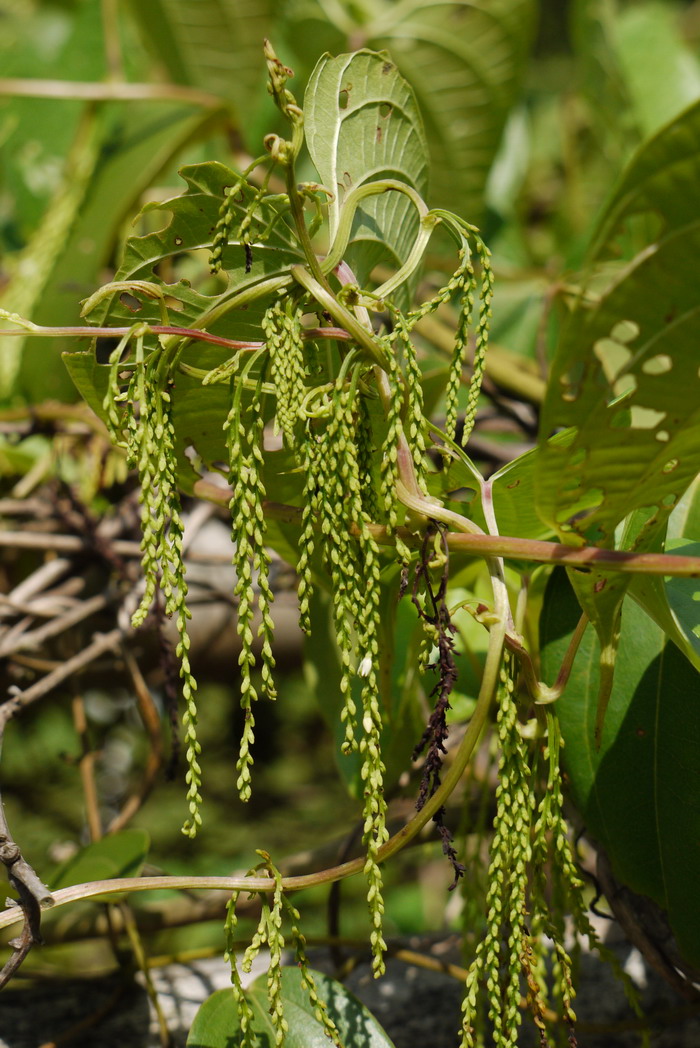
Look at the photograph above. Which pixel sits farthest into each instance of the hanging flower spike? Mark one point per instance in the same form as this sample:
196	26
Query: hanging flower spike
283	332
244	441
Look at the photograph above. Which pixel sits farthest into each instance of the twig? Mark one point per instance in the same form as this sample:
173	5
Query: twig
154	761
44	575
87	769
103	642
33	894
76	544
31	640
88	91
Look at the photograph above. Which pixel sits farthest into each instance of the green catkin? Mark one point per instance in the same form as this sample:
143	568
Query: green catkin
365	455
365	590
389	467
340	553
232	207
463	283
251	560
552	845
245	1012
499	956
309	461
334	493
151	448
481	339
414	416
275	941
466	287
307	980
285	343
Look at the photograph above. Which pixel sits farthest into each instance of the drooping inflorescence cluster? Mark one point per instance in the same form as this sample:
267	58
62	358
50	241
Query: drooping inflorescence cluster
146	430
244	432
275	910
499	955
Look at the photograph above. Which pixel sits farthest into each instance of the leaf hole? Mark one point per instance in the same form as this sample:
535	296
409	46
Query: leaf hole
625	331
645	418
670	466
624	386
662	434
343	98
571	381
131	302
385	110
613	357
657	365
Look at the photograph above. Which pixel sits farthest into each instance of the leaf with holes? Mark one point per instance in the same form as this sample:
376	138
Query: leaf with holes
199	411
626	382
362	125
659	192
639	793
194	215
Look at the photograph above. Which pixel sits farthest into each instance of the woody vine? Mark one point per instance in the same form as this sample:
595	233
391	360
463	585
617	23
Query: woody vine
310	368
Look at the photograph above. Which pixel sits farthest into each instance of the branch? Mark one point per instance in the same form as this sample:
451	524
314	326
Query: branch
481	545
33	894
108	91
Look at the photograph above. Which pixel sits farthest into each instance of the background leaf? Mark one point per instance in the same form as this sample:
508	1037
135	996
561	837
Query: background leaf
661	74
215	45
658	192
138	143
639	794
625	381
465	61
216	1022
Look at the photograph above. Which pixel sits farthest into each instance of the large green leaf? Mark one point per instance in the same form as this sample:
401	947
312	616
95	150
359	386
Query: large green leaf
639	793
464	59
661	74
674	603
362	124
625	380
659	191
199	411
194	215
216	1024
212	44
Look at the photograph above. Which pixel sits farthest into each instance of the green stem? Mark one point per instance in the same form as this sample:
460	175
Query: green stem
347	214
481	545
325	298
